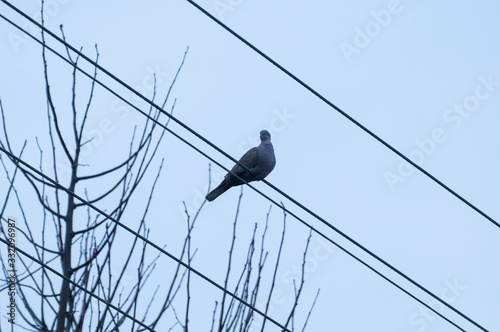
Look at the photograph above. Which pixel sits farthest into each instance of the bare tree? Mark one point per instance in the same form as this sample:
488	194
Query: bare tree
84	246
84	250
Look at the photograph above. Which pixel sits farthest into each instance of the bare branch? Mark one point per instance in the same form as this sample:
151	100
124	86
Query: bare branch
4	124
228	270
50	103
297	296
276	266
11	186
175	78
91	95
310	311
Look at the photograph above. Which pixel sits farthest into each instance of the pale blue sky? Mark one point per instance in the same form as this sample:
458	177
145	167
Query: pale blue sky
422	75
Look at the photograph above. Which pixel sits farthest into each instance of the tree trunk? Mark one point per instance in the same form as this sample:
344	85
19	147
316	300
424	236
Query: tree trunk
66	256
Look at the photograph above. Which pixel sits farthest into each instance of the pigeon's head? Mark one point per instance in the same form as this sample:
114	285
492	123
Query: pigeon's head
265	136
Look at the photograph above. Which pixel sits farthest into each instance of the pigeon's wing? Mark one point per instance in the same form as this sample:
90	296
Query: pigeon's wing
249	159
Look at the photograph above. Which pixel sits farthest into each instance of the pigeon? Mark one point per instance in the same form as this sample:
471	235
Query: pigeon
259	162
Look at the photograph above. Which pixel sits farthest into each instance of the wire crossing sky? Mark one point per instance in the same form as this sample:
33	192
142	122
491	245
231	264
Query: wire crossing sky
274	202
131	231
332	105
310	211
295	78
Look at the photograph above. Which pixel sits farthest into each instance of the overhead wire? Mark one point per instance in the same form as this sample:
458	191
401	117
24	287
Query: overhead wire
276	203
227	155
19	250
284	70
54	183
17	161
112	219
343	113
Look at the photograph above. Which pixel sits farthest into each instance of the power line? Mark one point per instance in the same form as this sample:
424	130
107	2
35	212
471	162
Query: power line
284	70
78	286
227	155
18	161
338	109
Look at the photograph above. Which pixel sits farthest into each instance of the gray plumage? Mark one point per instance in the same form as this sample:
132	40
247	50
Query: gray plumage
260	161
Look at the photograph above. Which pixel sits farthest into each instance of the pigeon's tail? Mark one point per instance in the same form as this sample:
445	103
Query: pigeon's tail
217	192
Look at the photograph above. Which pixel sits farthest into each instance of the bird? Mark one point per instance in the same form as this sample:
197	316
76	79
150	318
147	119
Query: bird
258	161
